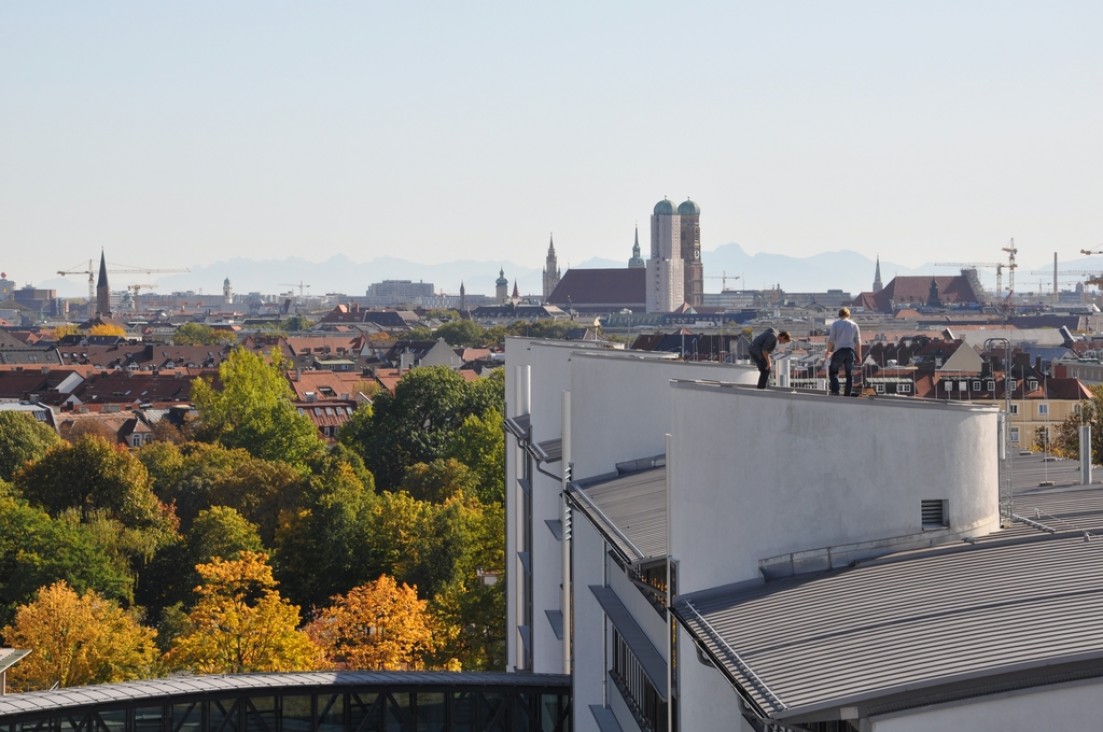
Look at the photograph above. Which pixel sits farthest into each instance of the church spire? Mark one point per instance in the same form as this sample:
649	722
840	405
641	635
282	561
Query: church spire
636	261
877	286
103	291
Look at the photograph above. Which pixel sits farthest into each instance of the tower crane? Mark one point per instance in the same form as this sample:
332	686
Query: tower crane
92	271
724	277
298	284
974	265
1011	250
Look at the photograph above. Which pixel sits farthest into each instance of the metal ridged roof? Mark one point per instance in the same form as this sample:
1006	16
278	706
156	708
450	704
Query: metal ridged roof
920	620
630	511
185	685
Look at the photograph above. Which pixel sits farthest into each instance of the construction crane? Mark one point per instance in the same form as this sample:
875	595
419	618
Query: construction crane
92	271
298	284
724	277
974	265
136	288
1011	250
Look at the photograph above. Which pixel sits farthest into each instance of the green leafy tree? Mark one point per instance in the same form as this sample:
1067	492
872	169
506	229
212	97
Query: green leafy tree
254	411
439	480
297	323
324	546
37	550
241	624
23	439
77	640
200	334
480	444
461	333
96	479
221	533
416	423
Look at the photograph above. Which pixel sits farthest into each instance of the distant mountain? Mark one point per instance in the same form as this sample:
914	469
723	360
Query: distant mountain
728	264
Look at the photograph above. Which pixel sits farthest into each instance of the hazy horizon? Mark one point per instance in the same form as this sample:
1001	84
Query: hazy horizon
183	135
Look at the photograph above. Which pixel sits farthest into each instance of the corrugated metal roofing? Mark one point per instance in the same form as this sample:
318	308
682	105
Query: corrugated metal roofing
183	685
630	511
913	621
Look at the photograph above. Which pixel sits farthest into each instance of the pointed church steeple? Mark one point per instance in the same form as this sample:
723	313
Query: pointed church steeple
103	291
636	261
877	286
552	273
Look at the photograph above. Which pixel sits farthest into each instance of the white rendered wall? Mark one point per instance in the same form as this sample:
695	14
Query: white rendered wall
548	367
621	404
760	473
591	642
720	709
1075	706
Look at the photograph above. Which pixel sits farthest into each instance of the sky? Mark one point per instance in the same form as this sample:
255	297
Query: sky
182	134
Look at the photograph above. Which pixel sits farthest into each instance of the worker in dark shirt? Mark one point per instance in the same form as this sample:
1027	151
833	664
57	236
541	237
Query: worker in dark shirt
760	350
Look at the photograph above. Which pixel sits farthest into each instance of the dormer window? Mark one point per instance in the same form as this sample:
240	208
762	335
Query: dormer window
1032	384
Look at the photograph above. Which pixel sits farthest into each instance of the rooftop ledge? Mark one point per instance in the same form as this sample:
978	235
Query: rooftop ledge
881	401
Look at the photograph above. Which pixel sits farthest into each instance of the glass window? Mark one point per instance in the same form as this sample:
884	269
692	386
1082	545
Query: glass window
1014	408
398	712
904	388
430	711
187	717
331	713
976	386
1015	434
149	719
1043	409
296	714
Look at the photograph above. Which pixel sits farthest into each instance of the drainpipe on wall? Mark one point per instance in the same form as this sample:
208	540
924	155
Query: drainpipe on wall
565	518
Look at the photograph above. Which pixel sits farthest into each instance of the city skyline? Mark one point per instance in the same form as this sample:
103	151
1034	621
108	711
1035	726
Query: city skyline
182	136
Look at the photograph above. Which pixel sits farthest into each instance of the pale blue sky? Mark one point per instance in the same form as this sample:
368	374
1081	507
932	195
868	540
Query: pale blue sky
182	134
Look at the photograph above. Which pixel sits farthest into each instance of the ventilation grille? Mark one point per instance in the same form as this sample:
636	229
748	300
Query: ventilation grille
934	514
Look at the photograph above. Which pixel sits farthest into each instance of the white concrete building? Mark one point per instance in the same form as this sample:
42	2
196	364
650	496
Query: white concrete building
774	560
665	266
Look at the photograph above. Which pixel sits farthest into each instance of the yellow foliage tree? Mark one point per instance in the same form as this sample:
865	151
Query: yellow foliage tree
378	626
76	640
104	329
240	623
65	329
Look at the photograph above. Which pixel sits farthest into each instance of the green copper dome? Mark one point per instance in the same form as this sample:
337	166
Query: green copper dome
689	207
664	208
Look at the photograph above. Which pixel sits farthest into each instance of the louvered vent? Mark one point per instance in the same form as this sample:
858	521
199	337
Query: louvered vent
934	514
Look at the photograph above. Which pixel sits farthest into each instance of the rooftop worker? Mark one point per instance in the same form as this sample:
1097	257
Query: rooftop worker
844	343
760	350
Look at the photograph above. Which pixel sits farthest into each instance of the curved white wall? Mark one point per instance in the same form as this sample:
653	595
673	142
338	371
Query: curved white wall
755	474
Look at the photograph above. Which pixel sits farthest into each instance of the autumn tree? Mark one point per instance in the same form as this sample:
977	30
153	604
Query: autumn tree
76	640
23	439
107	329
1065	440
253	410
380	625
241	624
